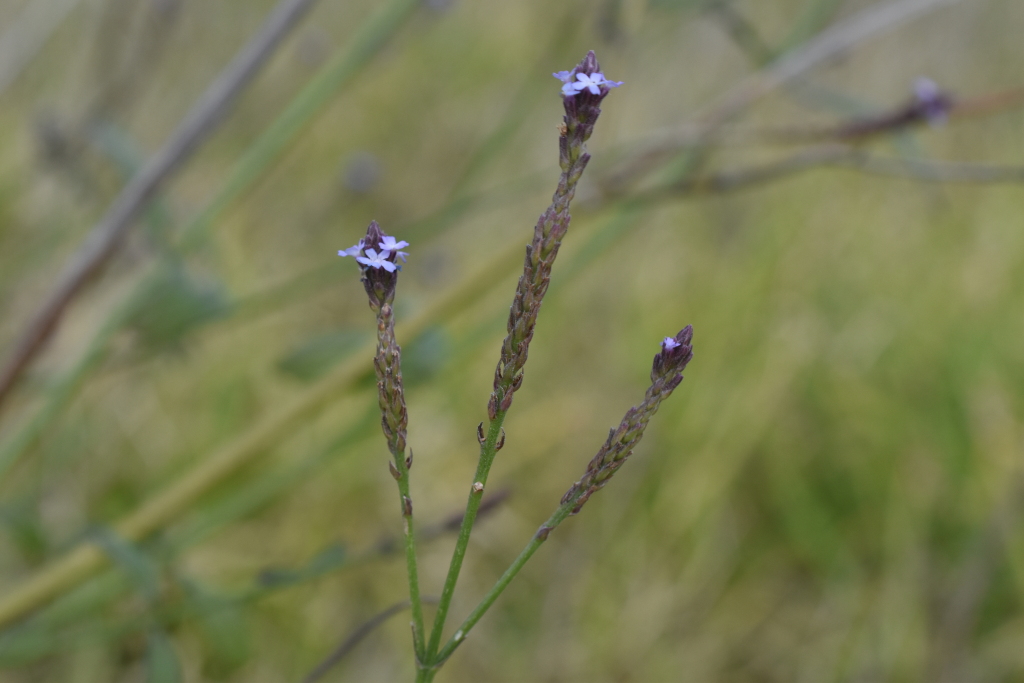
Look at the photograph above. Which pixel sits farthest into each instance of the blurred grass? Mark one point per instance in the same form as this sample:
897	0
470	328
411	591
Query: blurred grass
833	493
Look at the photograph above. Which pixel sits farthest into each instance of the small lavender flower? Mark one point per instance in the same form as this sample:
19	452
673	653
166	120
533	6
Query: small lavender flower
584	81
388	243
375	260
593	83
353	250
569	86
666	374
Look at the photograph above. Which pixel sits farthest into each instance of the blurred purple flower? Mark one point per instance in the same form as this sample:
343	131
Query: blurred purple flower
933	104
669	343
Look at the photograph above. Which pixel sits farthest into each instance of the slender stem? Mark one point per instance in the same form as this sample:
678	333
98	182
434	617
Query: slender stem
487	451
418	636
553	521
105	237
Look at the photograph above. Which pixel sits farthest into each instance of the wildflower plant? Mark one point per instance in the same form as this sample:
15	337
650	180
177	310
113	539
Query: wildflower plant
583	90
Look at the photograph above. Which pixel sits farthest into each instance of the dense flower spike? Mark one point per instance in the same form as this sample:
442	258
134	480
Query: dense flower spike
585	87
666	374
581	112
380	277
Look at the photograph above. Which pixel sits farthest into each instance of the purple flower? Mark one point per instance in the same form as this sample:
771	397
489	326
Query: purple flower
352	251
669	343
375	260
569	89
389	243
932	103
591	82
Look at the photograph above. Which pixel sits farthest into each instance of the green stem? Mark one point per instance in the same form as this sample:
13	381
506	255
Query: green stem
418	638
488	449
553	521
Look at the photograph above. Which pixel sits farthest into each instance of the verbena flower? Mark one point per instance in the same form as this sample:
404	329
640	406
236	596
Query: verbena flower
388	243
669	343
584	81
375	260
353	250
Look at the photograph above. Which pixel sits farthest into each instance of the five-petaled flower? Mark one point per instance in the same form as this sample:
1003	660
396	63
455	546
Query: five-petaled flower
389	244
375	260
669	343
353	250
589	82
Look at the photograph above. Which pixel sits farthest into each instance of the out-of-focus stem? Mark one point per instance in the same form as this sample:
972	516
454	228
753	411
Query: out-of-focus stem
487	452
552	522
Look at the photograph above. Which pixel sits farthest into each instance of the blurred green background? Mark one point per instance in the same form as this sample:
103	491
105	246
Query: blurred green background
834	493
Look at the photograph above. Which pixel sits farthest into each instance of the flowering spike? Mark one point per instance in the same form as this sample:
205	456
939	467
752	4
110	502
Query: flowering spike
584	88
666	374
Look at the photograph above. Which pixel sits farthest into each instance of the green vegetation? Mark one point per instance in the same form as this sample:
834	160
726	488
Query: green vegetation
833	493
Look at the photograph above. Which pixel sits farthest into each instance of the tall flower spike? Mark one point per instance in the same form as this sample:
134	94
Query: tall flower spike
582	107
380	278
666	374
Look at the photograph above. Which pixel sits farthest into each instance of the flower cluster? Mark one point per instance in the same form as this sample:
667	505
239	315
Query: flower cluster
578	82
371	258
378	265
